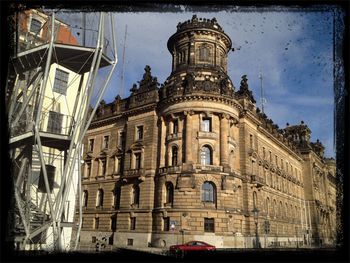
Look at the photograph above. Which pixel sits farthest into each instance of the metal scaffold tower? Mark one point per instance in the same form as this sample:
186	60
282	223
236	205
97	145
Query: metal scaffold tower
52	95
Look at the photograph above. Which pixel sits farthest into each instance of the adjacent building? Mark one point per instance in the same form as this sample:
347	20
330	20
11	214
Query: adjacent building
195	159
48	82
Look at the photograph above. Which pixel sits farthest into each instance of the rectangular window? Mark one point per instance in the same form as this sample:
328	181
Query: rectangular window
139	133
137	160
270	156
166	223
120	139
251	141
282	163
206	124
88	169
113	224
51	171
91	145
118	164
93	239
55	122
97	222
264	153
130	242
132	223
103	167
35	26
175	126
61	82
209	225
276	160
105	142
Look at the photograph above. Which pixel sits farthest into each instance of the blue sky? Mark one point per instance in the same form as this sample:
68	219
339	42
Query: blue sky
293	50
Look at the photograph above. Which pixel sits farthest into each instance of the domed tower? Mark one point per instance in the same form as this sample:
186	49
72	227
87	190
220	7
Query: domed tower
199	170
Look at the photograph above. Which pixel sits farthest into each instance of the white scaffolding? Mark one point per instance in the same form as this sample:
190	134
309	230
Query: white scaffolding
47	122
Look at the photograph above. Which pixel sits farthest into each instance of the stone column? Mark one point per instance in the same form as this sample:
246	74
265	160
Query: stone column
188	139
224	118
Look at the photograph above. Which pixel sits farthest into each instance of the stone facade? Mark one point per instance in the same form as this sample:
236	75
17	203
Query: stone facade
193	158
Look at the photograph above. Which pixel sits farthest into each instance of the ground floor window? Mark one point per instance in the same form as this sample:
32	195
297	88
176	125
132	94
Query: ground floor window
132	223
166	224
209	225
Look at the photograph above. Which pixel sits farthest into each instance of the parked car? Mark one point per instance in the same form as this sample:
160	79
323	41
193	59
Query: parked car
191	246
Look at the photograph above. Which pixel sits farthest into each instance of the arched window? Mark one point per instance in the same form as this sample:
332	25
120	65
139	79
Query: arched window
206	155
174	156
169	193
135	194
85	198
208	192
204	54
99	198
255	200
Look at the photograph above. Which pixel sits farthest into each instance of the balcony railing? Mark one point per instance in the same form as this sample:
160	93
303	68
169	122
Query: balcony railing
52	123
211	168
254	179
133	173
170	169
174	136
210	135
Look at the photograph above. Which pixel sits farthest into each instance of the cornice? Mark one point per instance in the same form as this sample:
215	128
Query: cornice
198	97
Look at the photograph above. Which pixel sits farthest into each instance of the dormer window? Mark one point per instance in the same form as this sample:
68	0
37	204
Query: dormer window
35	26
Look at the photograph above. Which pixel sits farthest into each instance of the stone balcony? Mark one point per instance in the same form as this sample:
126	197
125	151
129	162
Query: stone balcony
207	135
174	136
193	168
259	181
170	169
207	168
132	173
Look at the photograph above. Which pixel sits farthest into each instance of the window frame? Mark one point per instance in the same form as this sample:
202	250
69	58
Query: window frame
54	123
60	84
174	155
31	24
208	195
169	193
139	132
206	124
91	143
105	142
132	223
138	160
209	225
135	194
166	224
206	155
99	198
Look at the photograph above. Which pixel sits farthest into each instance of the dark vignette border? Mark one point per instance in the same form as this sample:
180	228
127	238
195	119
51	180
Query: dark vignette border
341	9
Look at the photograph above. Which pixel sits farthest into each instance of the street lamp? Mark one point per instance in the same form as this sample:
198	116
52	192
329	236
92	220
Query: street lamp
255	212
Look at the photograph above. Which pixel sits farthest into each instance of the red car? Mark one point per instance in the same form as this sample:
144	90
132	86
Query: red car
192	246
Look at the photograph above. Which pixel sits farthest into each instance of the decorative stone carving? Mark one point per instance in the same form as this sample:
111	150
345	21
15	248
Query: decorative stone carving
244	90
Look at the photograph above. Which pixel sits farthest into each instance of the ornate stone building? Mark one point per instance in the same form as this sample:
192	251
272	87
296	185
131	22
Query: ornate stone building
195	159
